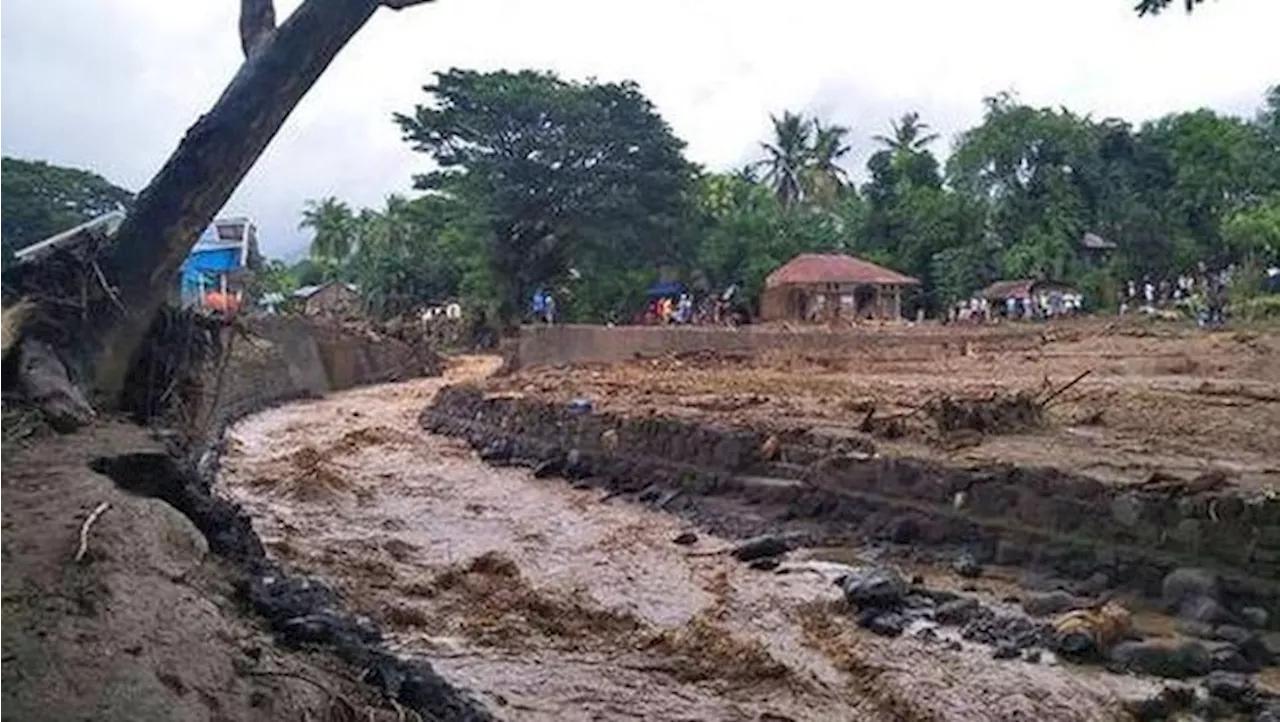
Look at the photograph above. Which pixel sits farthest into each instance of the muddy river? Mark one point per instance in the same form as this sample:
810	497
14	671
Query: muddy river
552	603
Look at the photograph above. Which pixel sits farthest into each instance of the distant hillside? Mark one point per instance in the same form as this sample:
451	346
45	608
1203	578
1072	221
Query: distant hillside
41	199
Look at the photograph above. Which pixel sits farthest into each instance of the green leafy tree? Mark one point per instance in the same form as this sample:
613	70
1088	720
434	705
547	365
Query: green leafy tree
567	175
1253	234
41	200
415	253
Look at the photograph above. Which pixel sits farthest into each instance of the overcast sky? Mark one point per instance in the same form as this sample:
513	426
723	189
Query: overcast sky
111	85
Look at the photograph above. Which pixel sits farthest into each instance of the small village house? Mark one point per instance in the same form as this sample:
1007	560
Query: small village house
828	286
334	299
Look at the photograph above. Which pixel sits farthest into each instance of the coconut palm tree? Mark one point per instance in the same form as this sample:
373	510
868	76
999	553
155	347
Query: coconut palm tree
788	155
908	135
824	178
334	227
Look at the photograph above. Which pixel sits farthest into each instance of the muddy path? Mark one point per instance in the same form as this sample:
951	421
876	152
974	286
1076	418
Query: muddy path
554	604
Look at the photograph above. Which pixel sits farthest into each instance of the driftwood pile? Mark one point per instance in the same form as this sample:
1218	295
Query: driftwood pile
959	422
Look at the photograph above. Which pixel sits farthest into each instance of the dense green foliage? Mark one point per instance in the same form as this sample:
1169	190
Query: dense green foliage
582	188
41	200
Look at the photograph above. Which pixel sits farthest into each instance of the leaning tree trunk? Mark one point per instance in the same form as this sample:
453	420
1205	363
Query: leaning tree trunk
213	158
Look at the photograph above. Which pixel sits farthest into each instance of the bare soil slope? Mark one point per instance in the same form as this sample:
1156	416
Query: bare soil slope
144	625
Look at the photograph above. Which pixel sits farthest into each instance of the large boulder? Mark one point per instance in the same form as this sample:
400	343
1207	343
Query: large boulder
1163	659
770	545
873	587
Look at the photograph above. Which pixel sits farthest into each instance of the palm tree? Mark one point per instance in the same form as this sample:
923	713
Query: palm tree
334	226
908	135
788	155
824	177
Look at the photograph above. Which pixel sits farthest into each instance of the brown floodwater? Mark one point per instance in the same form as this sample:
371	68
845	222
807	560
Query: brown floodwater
552	604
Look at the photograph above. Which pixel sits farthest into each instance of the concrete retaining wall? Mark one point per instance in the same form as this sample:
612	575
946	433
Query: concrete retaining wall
287	357
574	344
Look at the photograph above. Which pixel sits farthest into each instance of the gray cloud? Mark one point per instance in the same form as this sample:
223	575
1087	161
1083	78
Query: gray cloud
113	84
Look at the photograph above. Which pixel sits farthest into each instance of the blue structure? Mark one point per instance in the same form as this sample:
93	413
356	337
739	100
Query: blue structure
223	249
669	289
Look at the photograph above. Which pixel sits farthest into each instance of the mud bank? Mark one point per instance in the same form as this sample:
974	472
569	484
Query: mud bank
130	601
1042	518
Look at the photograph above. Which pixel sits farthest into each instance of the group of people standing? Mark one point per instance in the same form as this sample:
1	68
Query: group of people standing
1205	292
666	310
1034	307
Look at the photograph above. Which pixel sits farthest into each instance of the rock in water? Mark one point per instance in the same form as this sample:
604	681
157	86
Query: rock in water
966	566
764	546
1254	616
1186	583
1228	657
1042	605
1204	609
1161	659
1005	650
764	564
957	611
1161	706
873	587
886	624
685	539
1228	686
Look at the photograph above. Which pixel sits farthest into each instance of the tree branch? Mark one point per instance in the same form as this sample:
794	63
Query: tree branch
257	23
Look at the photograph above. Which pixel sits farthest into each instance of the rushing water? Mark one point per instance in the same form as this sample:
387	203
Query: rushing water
555	605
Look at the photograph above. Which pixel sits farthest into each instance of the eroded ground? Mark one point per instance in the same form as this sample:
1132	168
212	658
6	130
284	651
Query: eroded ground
556	604
1157	398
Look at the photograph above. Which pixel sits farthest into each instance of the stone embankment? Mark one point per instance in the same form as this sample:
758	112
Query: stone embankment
840	491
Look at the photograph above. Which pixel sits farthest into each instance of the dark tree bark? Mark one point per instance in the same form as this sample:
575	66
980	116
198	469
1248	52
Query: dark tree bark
257	22
281	66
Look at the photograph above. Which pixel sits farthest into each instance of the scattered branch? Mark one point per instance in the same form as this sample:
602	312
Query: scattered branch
1055	394
84	529
102	281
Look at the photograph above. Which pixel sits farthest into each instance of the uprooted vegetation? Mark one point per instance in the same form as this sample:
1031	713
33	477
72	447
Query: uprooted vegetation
999	414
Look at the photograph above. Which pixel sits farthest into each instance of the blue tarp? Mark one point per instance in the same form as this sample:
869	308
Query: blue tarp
221	259
665	290
210	258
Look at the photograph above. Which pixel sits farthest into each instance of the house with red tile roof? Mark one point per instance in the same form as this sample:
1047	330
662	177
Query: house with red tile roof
827	286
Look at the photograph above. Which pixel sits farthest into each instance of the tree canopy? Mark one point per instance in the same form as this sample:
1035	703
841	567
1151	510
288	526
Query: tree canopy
582	188
568	177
